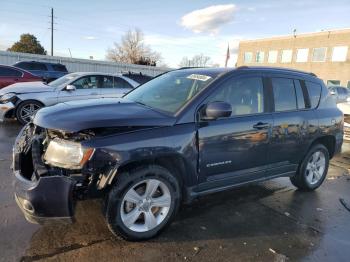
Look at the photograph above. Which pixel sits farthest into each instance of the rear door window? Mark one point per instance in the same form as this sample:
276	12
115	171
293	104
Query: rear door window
107	81
59	68
38	66
284	94
9	72
314	91
121	83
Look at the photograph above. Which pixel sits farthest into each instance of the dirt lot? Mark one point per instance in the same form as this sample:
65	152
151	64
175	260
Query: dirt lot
262	222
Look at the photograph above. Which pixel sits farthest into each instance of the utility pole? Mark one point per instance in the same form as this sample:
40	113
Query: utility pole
51	31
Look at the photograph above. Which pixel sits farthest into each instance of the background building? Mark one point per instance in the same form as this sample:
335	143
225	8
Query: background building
324	53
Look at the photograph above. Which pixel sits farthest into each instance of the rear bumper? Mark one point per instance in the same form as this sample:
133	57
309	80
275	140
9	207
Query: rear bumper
4	108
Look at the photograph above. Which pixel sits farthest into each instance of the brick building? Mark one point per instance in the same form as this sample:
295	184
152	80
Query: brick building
324	53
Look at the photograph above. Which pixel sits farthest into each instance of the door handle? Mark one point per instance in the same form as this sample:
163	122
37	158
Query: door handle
261	125
93	94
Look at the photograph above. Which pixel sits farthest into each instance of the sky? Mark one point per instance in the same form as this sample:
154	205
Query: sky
175	28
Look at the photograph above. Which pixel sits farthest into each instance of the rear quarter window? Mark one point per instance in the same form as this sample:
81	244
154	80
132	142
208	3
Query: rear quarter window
314	91
59	68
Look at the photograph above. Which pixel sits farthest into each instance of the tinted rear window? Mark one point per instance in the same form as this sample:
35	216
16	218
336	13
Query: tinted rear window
314	91
32	66
60	68
5	71
284	94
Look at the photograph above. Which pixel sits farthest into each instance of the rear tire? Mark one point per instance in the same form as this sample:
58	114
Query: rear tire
313	169
26	110
142	202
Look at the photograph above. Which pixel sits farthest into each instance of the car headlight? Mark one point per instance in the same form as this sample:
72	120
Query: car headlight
7	97
67	154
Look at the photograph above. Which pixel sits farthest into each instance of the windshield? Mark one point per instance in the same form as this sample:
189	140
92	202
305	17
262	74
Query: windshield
169	92
64	80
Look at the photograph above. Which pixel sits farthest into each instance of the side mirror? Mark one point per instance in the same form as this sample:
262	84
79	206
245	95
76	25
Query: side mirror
70	88
215	110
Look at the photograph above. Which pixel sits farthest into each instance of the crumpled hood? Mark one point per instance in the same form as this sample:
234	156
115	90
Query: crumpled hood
77	115
26	87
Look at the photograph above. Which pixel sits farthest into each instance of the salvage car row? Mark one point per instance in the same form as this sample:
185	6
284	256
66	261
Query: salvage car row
22	100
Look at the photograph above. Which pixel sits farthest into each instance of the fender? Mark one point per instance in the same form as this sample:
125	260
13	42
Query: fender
113	153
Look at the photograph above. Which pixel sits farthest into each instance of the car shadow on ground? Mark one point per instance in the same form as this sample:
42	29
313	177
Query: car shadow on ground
235	216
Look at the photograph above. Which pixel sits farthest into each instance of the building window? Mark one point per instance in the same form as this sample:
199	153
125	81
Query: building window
248	57
302	55
260	55
319	54
272	56
333	82
348	86
339	53
286	56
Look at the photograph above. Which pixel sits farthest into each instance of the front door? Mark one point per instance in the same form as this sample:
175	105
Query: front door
235	149
87	87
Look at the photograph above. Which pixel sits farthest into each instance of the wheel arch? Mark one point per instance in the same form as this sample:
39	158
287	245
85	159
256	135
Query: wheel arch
328	141
174	163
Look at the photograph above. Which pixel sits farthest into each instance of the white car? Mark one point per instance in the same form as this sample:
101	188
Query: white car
22	100
345	108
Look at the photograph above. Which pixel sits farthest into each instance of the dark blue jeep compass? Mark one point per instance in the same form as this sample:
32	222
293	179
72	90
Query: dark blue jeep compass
184	134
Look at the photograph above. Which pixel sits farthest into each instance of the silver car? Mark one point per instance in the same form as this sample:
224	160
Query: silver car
22	100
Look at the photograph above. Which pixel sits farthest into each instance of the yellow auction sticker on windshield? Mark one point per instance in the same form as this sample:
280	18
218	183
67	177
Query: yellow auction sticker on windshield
199	77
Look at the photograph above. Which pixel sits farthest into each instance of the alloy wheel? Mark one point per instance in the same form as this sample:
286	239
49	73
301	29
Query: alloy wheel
27	111
315	167
145	205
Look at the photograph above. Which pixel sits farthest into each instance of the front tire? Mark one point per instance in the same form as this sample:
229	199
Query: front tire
26	110
142	202
313	169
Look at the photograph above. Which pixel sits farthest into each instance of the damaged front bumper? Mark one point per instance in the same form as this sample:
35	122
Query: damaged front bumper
41	198
4	109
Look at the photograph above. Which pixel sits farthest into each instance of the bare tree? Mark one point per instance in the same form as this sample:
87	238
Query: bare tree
132	50
196	61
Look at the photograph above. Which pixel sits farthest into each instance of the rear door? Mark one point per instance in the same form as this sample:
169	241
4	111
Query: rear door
113	86
293	123
234	149
87	87
9	76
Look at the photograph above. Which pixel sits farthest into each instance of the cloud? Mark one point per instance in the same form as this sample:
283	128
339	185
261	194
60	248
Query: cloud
209	19
90	37
173	48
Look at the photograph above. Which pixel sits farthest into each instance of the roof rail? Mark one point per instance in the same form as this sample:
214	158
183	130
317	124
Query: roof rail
276	68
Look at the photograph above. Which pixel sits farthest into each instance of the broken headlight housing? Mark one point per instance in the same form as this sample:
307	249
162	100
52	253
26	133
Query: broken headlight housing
67	154
7	97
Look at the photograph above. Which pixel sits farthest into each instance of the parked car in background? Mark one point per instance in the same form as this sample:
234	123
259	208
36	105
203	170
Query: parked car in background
184	134
138	77
342	97
340	93
10	75
45	70
21	101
